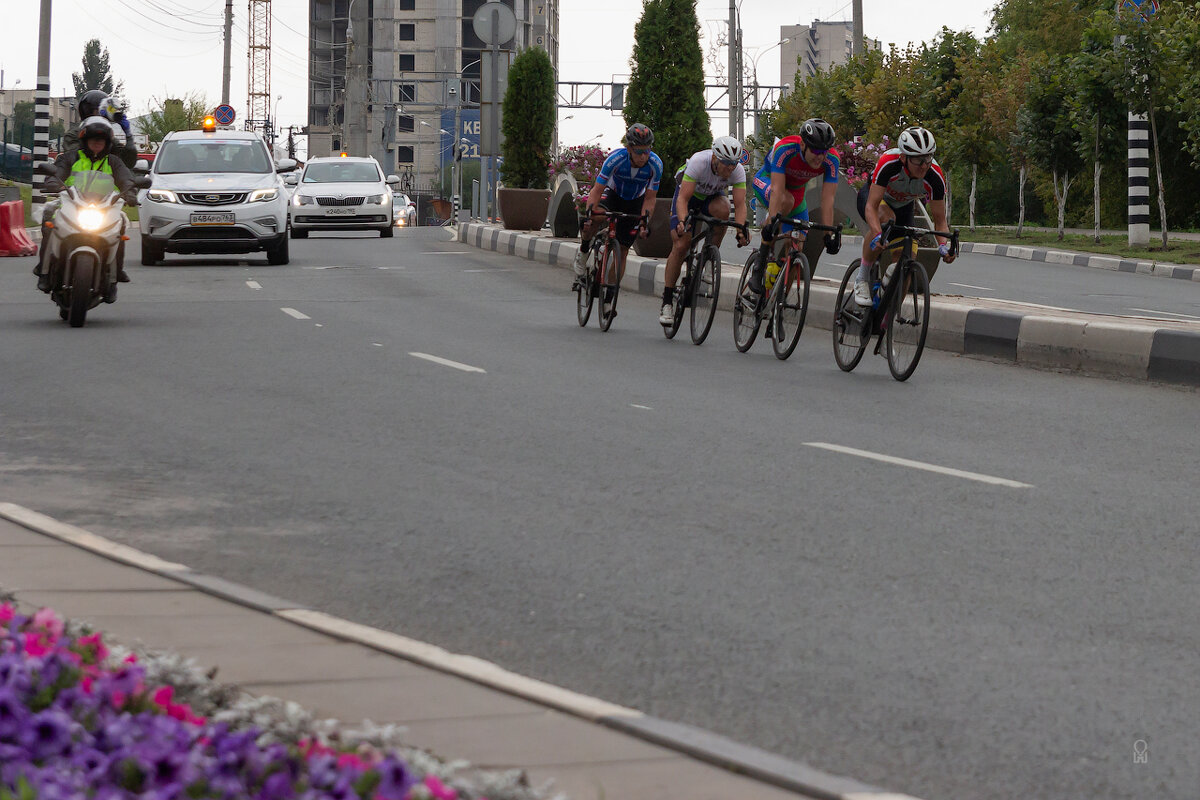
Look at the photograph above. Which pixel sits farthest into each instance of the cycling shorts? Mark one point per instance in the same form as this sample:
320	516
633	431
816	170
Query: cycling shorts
904	214
701	204
627	229
762	191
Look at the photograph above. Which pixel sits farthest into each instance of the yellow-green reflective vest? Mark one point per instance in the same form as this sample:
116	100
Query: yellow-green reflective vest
84	163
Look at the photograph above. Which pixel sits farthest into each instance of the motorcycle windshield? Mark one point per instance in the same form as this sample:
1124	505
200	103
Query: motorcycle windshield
93	186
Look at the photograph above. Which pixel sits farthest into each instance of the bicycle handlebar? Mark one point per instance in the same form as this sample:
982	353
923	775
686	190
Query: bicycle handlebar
831	247
697	216
907	230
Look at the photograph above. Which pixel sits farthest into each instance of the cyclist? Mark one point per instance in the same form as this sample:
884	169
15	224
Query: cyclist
905	173
700	186
779	185
627	183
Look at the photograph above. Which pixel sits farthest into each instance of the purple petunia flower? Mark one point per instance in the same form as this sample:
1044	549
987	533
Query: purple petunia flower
13	714
47	734
395	779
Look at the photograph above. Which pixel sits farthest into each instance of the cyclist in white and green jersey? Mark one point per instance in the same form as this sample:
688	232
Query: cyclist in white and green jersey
700	186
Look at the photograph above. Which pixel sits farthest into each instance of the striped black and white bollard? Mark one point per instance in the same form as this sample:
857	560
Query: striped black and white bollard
41	112
1139	180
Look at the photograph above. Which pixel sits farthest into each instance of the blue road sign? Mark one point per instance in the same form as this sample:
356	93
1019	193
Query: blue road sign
224	114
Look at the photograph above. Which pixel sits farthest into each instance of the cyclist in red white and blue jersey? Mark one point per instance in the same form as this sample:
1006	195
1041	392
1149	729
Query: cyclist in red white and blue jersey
906	173
628	183
779	185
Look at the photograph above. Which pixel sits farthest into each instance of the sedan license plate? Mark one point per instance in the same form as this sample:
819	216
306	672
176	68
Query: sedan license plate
223	218
340	212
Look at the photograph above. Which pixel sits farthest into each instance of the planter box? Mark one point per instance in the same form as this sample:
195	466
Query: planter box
524	209
658	243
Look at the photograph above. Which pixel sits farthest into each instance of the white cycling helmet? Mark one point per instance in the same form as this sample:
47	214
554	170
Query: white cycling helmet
727	149
917	141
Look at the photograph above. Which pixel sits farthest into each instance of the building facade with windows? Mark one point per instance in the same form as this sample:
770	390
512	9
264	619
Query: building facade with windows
815	47
423	59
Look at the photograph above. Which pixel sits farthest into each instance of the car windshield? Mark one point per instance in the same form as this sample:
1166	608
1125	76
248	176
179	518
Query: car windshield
183	156
93	185
342	172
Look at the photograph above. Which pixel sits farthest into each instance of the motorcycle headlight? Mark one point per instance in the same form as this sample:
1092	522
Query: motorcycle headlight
303	200
161	196
263	195
91	219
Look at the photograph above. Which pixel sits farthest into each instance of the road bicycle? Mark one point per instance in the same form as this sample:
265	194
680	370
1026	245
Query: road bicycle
700	282
899	310
602	276
785	304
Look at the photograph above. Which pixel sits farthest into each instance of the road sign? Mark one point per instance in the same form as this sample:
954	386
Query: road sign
495	23
224	114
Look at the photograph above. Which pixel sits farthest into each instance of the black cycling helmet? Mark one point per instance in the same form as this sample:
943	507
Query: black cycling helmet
817	134
639	135
95	126
91	102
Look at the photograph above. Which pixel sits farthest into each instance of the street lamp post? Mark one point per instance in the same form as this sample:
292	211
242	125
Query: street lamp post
274	122
423	124
760	213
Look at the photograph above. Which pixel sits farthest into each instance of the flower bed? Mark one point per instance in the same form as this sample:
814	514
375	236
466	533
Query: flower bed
583	162
859	158
82	718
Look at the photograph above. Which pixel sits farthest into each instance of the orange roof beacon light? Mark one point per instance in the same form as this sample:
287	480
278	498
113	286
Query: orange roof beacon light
209	124
344	154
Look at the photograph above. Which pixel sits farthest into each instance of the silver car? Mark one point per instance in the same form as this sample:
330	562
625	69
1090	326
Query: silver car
404	210
342	193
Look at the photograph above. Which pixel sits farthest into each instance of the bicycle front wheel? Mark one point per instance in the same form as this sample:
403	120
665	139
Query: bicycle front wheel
584	296
849	324
678	304
705	288
746	318
610	285
908	322
791	307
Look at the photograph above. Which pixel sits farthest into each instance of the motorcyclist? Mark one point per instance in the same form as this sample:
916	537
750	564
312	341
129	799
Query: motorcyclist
93	154
97	103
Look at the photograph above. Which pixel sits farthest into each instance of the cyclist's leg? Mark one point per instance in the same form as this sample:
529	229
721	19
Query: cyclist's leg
680	239
718	207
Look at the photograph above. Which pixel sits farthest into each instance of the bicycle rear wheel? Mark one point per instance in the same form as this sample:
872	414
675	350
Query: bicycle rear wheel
706	287
679	303
849	323
610	285
909	321
791	307
585	295
746	318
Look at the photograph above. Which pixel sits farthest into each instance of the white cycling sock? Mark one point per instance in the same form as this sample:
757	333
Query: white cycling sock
864	271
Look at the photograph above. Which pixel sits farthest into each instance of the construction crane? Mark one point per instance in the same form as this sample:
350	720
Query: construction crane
258	83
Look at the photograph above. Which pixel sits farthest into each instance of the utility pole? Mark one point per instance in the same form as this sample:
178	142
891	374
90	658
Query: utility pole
41	111
735	90
354	114
228	51
856	47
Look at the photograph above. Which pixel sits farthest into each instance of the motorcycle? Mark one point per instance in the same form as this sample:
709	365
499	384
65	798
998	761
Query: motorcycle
83	242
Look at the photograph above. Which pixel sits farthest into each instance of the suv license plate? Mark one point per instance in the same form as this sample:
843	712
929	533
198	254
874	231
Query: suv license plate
340	212
225	218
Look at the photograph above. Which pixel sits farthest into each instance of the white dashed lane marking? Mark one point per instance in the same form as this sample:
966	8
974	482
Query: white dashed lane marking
254	284
904	462
969	286
445	362
291	312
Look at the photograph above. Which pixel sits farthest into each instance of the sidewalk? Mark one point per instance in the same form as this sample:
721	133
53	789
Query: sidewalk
455	706
1038	336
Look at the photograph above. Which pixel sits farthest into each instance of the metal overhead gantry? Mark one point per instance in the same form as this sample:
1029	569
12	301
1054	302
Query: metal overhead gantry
610	96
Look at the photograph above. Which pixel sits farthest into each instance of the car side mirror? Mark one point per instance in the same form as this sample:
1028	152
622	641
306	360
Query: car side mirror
143	181
141	165
393	180
285	165
291	180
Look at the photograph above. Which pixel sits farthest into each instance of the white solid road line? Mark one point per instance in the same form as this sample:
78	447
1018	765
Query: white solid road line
969	286
904	462
445	362
291	312
644	408
254	284
1165	313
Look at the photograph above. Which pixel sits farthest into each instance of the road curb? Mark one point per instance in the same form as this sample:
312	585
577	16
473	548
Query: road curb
694	742
1048	338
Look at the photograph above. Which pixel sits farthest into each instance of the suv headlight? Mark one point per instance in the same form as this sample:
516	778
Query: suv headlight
378	199
263	195
303	200
161	196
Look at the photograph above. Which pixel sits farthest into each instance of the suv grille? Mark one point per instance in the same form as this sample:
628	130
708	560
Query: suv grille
212	198
340	201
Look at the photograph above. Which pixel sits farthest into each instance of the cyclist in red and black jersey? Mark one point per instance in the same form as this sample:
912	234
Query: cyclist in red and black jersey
904	174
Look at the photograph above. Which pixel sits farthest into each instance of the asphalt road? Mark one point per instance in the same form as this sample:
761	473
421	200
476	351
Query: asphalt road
650	522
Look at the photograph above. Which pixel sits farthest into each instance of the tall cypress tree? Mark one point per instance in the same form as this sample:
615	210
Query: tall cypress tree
666	88
529	109
96	72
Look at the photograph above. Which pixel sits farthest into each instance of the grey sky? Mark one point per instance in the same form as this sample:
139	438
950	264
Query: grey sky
165	48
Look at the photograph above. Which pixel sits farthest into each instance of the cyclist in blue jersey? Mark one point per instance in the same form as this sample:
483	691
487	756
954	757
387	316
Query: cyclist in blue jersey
628	183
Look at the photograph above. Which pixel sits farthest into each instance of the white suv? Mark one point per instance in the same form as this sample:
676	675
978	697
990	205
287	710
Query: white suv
342	193
215	191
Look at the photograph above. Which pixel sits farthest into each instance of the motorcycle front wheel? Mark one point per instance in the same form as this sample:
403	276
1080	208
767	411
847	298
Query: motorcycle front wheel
79	299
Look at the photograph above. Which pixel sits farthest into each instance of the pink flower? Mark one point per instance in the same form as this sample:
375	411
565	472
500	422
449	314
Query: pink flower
87	684
162	696
47	620
131	658
439	790
118	698
350	760
36	645
7	612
